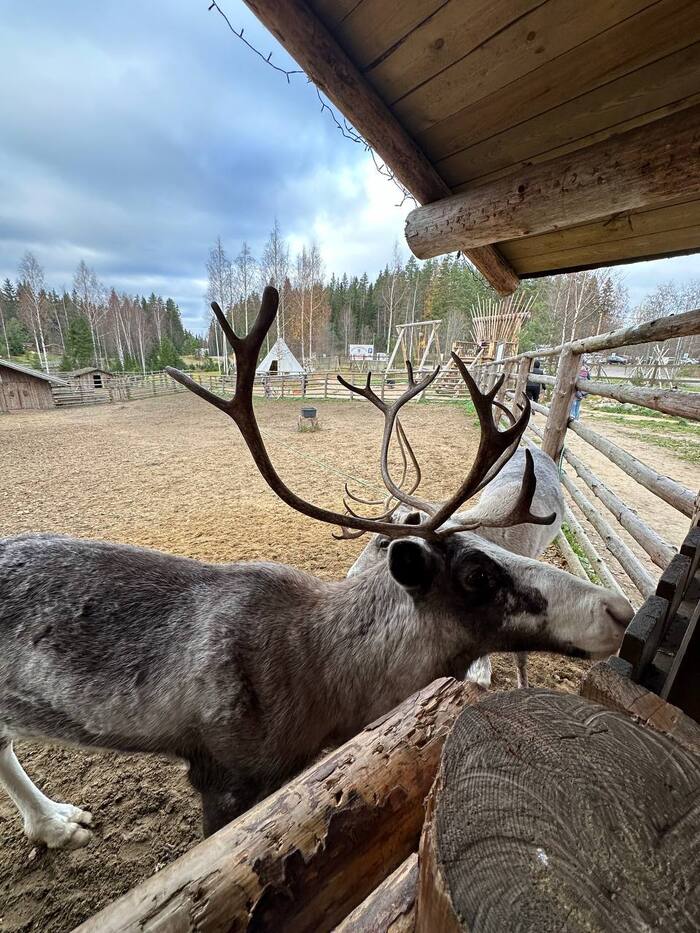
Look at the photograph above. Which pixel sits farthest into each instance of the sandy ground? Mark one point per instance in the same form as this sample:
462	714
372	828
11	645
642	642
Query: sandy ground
173	474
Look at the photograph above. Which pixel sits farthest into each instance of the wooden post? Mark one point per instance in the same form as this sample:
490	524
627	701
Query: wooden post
306	856
325	387
560	406
390	908
521	380
548	813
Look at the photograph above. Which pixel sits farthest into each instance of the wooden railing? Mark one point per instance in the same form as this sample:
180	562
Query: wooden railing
593	509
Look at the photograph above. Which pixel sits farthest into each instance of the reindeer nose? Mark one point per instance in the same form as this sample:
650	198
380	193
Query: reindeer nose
619	611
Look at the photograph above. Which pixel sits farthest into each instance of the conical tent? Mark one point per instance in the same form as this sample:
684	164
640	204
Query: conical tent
280	359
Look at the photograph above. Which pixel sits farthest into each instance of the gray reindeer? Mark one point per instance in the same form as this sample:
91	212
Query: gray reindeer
248	670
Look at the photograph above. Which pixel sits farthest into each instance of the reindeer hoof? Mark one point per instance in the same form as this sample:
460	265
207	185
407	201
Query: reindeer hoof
60	826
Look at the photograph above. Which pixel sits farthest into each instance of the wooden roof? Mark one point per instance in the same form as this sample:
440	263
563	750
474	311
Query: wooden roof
34	373
487	93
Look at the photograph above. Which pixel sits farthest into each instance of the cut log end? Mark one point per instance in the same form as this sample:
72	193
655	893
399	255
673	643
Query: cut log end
550	812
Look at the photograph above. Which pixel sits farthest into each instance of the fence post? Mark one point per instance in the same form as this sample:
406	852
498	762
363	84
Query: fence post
325	387
560	406
521	381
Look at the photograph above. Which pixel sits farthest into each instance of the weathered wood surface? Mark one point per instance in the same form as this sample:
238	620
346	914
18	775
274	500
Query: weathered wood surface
662	486
659	551
669	401
610	687
646	166
305	857
313	46
644	633
560	405
539	820
390	908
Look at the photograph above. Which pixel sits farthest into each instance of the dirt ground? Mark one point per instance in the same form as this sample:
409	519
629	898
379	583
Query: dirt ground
173	474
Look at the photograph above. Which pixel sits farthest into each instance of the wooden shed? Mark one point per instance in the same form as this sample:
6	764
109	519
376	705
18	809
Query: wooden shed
90	377
24	388
539	137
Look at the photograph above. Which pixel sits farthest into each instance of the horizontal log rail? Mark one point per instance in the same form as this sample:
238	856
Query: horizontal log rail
612	541
669	401
318	846
658	550
598	565
672	492
686	324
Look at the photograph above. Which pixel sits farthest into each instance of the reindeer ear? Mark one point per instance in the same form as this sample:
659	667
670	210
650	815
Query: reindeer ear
413	564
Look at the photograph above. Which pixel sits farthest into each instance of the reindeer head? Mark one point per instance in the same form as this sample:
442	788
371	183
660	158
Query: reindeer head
434	556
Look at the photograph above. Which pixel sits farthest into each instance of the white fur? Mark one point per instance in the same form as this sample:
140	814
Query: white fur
56	825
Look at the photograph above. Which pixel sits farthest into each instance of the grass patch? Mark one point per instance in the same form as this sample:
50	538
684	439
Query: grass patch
684	449
580	553
670	425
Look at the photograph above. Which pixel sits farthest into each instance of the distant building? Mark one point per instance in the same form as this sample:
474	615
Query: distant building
91	377
24	388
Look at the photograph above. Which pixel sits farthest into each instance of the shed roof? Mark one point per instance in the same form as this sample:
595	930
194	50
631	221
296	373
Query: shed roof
570	131
89	369
35	373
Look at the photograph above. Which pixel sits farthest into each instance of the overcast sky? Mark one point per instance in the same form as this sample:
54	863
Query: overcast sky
133	134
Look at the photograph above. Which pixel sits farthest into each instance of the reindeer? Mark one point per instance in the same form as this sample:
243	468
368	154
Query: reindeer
527	540
248	670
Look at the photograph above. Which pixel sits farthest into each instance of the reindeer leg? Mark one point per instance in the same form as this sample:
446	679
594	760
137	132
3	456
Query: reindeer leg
479	672
56	825
521	665
224	795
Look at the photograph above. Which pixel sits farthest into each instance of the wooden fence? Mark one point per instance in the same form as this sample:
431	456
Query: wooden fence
595	514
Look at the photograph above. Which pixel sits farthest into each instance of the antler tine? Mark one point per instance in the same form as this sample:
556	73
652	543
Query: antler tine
368	392
240	409
500	514
495	447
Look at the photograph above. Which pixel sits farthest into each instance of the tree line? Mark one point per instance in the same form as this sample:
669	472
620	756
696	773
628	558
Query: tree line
90	325
321	315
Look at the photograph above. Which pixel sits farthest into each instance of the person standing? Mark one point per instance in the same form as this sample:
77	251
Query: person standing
583	373
534	387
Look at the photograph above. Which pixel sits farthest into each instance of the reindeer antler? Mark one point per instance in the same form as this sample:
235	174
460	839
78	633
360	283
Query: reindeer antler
495	446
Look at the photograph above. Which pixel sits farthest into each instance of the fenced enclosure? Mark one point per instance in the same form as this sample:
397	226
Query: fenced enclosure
667	616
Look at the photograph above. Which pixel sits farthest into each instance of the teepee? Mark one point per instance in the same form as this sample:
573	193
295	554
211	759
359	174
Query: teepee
280	359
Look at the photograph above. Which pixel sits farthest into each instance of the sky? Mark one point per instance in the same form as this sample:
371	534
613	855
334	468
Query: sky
133	134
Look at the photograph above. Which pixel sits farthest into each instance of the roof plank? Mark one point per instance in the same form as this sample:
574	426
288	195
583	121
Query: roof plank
657	32
547	32
670	83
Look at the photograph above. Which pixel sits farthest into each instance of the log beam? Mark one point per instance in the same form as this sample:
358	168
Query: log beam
560	406
643	167
315	848
613	542
669	401
677	495
391	907
658	550
315	48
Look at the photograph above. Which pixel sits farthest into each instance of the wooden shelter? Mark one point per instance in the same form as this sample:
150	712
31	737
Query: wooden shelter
91	377
24	388
539	137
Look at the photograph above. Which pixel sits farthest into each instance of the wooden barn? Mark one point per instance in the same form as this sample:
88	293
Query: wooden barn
24	388
90	377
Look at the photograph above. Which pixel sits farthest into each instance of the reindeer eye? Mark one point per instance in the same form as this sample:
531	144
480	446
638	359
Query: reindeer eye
383	544
476	579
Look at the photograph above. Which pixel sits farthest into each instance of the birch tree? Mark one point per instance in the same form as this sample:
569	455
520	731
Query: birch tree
33	303
245	272
274	269
219	286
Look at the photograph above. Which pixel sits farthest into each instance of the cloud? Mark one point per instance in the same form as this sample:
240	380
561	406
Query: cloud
138	133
